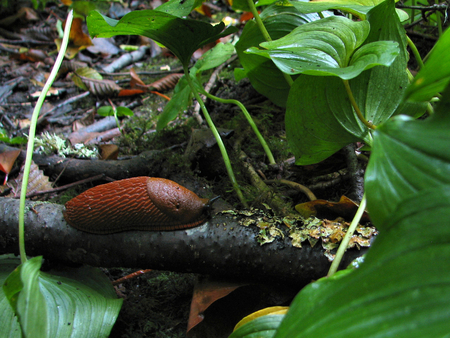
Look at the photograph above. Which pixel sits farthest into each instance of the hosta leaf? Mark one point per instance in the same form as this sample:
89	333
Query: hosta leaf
328	47
400	290
82	304
408	156
319	117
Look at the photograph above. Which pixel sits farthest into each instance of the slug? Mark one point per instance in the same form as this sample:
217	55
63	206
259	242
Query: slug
139	203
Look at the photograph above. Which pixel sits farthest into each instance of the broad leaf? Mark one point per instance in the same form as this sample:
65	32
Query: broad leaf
264	76
179	102
402	289
179	8
435	75
262	327
85	307
408	156
328	47
182	36
358	8
319	117
315	112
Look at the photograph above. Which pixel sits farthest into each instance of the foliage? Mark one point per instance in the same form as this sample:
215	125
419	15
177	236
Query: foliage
38	304
341	81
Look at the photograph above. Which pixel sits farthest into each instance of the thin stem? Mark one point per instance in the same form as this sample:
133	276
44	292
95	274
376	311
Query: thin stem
266	34
216	134
355	106
343	246
250	121
415	51
438	18
32	134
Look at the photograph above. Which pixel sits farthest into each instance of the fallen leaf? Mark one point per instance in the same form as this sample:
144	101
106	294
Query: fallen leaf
7	160
345	208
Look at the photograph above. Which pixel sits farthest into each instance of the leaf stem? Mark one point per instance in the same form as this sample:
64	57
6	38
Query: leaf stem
415	51
250	121
265	34
343	246
32	134
216	134
355	106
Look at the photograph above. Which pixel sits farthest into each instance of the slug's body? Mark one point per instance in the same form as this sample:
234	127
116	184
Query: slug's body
140	203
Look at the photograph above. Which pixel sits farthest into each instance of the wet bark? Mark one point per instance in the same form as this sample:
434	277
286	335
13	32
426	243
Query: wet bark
220	247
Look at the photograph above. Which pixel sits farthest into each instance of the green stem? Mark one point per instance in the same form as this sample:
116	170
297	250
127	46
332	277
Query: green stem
265	34
355	106
216	134
415	51
250	121
32	134
343	246
438	18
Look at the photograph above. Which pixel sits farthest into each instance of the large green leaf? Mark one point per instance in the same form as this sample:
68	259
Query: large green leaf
328	47
265	77
74	303
261	327
22	290
358	8
179	8
315	112
182	36
435	75
319	117
408	155
401	290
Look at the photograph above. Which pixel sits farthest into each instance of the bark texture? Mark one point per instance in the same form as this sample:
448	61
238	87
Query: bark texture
220	247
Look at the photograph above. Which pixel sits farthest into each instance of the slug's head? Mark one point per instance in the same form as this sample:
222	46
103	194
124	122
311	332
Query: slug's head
177	202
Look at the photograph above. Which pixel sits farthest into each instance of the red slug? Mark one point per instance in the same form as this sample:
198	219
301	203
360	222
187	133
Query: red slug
140	203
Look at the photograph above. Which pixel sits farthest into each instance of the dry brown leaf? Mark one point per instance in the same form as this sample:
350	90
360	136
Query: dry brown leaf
345	208
206	293
109	152
37	181
7	160
166	83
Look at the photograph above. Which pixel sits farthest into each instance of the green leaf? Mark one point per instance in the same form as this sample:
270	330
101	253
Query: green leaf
315	112
214	57
319	118
85	307
408	156
9	326
400	290
328	47
179	8
435	75
179	102
261	327
23	293
264	76
182	36
109	111
358	8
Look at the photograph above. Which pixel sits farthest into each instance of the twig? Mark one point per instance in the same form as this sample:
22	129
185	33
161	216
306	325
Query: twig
67	186
296	186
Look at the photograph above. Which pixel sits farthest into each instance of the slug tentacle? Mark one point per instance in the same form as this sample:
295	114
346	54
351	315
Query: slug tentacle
140	203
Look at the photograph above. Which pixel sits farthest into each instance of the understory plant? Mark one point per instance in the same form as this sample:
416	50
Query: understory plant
342	79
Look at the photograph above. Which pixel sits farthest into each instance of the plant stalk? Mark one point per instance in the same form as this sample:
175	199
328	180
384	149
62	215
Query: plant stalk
343	246
216	134
265	34
355	106
415	52
250	121
32	134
